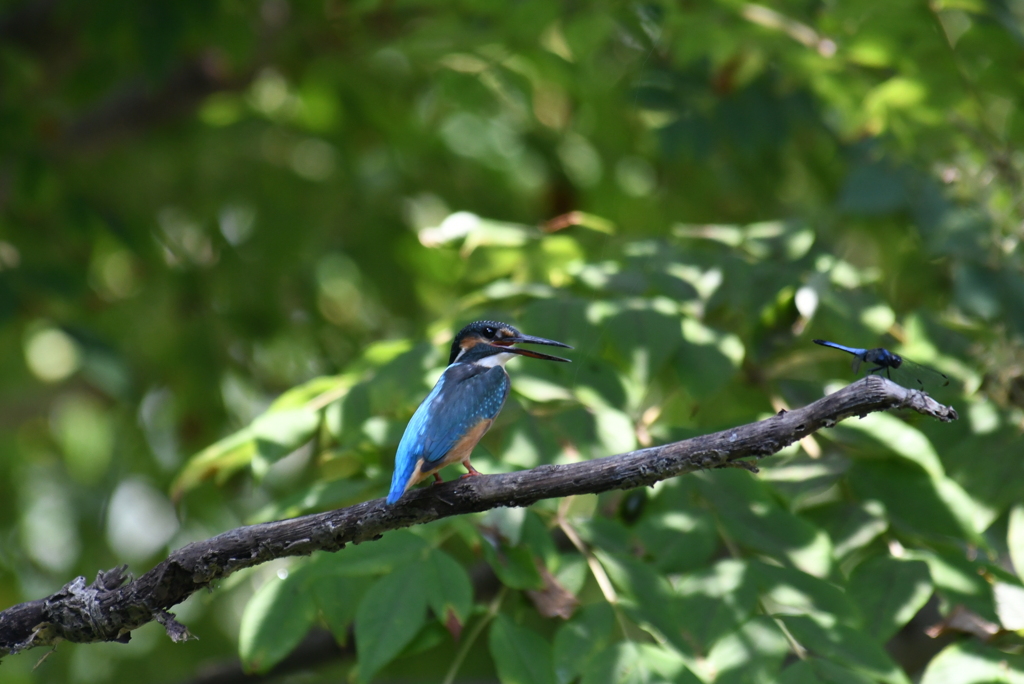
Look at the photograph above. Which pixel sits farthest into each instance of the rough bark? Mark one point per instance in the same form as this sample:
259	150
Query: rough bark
109	609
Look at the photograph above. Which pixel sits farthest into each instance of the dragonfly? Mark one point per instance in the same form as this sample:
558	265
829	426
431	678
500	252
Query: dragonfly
902	371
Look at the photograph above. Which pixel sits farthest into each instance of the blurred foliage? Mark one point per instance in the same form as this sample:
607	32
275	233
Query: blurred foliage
248	231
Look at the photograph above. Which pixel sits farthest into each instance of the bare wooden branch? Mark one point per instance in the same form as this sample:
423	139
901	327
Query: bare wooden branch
108	609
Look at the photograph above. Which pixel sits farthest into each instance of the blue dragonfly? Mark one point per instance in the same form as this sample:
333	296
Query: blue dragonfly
896	368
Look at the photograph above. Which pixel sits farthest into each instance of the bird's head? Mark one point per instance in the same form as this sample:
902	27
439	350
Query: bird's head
491	343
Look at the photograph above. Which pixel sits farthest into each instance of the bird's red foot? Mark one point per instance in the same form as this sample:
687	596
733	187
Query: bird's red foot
437	480
472	471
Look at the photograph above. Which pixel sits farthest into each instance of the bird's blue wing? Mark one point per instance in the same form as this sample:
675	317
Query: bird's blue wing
475	396
465	395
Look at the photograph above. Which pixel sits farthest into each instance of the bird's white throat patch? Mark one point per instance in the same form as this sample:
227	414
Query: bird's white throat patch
488	361
495	360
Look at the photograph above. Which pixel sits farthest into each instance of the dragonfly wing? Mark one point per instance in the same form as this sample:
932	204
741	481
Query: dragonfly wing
916	376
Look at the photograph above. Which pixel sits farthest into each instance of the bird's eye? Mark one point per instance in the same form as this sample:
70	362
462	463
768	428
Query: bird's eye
489	331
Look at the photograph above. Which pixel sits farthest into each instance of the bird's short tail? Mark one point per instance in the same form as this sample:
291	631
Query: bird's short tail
400	481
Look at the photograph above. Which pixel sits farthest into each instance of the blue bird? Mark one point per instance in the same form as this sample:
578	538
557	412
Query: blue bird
907	372
463	403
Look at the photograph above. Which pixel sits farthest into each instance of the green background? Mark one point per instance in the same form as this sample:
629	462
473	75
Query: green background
236	240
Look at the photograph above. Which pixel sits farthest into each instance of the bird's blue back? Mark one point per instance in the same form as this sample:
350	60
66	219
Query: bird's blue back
465	394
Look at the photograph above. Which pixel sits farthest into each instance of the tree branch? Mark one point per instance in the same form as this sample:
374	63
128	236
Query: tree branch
108	609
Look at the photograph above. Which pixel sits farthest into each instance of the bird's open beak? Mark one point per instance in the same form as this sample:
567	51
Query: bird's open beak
505	345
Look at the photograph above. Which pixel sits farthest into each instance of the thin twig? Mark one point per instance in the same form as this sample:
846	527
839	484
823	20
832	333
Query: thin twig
596	569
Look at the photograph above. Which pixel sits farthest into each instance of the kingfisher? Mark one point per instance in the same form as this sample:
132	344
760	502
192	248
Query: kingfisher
463	404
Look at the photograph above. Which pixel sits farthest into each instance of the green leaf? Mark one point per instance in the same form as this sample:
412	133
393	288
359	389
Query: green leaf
597	383
627	662
271	436
521	655
320	391
279	433
1009	600
647	334
678	541
275	620
845	646
606	533
889	592
392	551
1015	539
799	481
613	431
817	671
317	496
514	565
337	598
975	515
648	596
752	653
958	580
572	572
754	520
536	537
401	381
850	526
591	222
508	522
490	233
500	289
900	438
716	600
909	495
970	662
345	418
218	461
536	389
992	479
450	586
616	433
578	641
707	361
787	591
389	616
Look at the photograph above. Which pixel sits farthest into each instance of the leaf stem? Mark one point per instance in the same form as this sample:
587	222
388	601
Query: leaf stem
597	570
478	628
795	645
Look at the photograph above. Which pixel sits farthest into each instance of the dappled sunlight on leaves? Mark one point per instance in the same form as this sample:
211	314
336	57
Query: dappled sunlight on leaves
238	240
